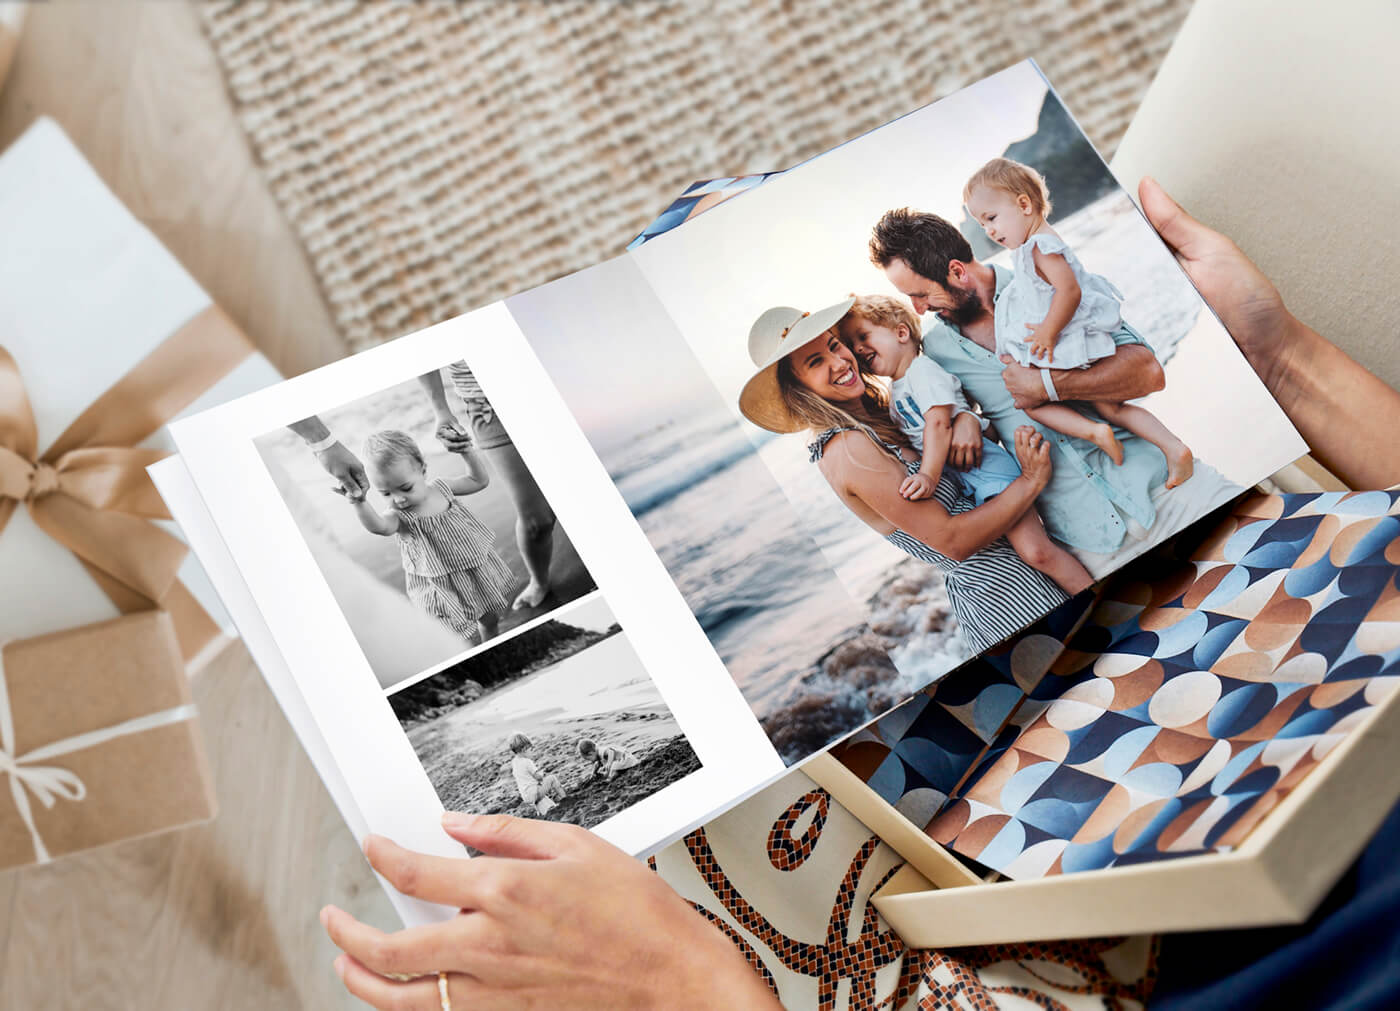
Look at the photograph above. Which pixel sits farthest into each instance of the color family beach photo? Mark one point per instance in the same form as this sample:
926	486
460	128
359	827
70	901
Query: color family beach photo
879	414
558	721
424	520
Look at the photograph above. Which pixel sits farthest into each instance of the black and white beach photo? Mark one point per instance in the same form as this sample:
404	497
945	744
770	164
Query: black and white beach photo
558	721
424	520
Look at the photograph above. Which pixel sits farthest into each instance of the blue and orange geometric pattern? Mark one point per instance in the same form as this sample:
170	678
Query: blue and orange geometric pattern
698	198
917	755
1197	695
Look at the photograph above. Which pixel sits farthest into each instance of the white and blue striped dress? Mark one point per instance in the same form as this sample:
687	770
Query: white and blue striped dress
451	570
994	592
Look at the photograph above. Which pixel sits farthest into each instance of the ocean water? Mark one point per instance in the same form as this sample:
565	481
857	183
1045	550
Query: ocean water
603	679
750	571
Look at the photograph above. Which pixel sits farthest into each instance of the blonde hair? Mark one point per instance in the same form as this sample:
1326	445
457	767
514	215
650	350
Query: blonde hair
1015	178
384	447
518	742
872	416
887	311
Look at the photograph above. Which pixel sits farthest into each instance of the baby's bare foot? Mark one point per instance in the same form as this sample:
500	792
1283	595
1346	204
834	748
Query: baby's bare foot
1180	464
1103	437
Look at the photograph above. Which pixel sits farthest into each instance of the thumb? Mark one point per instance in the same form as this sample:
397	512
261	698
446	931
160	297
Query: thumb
1007	359
1183	233
501	835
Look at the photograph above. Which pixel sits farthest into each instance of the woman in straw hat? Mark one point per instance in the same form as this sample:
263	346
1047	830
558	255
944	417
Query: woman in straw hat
807	379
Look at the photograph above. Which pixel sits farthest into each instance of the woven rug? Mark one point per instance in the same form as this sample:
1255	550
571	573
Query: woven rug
434	158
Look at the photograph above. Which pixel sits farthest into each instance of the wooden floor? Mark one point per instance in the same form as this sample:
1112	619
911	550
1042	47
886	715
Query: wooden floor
223	916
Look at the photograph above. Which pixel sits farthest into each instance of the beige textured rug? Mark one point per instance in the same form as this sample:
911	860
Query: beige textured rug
434	158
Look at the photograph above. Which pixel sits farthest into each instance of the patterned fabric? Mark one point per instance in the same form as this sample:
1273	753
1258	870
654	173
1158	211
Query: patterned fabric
697	198
993	593
915	757
436	157
787	877
486	429
451	571
453	540
1197	697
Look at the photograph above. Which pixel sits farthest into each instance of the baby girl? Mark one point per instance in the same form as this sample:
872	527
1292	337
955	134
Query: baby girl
1055	314
451	569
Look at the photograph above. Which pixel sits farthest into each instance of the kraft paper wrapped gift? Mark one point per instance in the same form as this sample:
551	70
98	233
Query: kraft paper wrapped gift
107	338
99	740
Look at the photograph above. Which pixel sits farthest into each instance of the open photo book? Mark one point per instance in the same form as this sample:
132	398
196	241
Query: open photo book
624	548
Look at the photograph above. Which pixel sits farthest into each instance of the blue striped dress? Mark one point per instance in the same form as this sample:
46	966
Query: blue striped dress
451	570
994	593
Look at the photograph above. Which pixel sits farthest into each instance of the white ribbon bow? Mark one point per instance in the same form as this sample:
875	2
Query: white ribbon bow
50	782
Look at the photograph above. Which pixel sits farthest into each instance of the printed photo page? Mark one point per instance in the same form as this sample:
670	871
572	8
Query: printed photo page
468	609
910	330
619	550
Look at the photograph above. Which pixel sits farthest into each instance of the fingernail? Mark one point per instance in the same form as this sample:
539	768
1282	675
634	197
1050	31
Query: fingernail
365	844
325	915
339	965
457	819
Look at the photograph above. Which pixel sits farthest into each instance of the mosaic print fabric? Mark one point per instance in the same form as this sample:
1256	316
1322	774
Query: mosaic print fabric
917	755
788	876
698	198
1195	699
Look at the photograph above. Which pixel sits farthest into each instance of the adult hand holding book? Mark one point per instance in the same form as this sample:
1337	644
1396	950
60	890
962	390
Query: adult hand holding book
594	915
552	916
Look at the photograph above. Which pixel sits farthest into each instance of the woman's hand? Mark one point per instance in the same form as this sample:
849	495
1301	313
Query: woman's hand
1246	301
1346	414
552	917
1033	454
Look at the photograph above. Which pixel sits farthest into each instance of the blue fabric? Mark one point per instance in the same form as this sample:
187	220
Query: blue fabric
1084	503
992	476
1345	958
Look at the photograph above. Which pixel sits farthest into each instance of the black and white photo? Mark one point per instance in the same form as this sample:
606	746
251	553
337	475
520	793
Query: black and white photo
558	721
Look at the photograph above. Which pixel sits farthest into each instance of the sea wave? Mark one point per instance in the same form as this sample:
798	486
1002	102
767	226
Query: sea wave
674	459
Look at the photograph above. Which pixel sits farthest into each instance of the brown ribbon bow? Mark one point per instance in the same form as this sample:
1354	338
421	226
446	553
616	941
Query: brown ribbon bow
90	491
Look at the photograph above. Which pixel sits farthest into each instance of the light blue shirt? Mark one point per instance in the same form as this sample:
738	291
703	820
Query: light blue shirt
1088	495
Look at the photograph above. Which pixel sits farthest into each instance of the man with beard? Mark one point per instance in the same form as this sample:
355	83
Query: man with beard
1091	504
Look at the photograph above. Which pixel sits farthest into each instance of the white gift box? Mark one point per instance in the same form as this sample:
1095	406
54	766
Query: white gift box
88	293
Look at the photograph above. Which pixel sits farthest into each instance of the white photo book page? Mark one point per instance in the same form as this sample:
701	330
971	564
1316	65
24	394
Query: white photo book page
583	584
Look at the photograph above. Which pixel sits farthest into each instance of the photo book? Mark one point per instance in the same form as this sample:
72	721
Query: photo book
623	549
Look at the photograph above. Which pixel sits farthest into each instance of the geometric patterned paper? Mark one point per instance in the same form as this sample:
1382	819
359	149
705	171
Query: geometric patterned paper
915	756
698	198
1197	695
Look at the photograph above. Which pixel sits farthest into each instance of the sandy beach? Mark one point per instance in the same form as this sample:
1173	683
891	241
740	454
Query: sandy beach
477	777
600	693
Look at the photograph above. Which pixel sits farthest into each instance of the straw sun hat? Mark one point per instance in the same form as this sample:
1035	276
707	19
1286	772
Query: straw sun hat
773	336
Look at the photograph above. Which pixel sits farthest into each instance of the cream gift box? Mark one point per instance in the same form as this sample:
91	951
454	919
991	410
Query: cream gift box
89	293
1308	626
